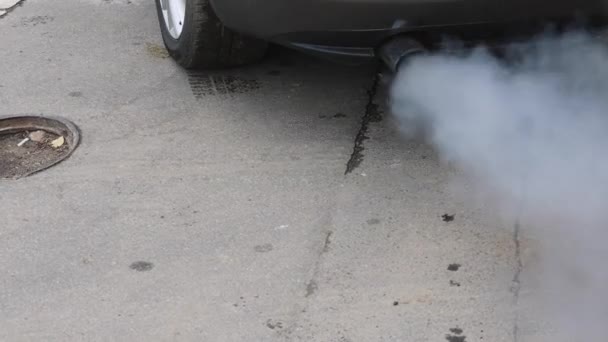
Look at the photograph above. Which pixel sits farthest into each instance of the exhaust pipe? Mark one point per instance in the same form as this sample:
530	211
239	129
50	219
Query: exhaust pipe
394	52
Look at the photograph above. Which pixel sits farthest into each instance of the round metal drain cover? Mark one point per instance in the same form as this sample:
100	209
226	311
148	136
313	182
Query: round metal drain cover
29	144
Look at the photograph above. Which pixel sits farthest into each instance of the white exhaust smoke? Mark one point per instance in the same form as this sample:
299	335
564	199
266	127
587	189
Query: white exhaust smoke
533	128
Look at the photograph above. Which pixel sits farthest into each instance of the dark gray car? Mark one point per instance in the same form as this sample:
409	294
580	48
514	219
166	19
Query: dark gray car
223	33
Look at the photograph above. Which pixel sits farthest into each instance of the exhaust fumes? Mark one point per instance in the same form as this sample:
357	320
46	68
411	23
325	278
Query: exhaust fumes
532	129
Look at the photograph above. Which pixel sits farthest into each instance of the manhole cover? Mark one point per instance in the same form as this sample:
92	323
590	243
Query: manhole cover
29	144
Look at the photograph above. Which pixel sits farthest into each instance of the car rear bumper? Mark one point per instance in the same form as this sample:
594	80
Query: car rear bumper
354	28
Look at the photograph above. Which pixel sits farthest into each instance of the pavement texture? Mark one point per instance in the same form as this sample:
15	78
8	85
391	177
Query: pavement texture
214	206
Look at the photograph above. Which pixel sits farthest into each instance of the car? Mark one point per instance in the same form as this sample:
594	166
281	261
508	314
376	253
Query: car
228	33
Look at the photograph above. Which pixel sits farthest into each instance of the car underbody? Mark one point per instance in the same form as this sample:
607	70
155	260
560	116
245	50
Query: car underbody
353	30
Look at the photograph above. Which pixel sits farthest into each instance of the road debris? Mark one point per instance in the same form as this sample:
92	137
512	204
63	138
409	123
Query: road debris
58	142
37	136
23	142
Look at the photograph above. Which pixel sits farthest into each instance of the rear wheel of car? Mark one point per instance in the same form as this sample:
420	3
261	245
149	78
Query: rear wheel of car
196	38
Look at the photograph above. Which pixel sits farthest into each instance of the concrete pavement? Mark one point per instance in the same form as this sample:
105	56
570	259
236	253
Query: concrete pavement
198	212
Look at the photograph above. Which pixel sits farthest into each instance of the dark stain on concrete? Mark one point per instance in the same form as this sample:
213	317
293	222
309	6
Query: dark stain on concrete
453	267
447	217
264	248
141	266
373	221
456	331
327	242
453	338
311	288
457	337
274	324
335	116
35	21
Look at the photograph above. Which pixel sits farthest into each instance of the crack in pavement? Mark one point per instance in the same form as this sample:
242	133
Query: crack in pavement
516	282
371	114
312	286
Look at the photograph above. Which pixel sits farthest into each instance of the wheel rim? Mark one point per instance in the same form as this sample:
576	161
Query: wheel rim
174	12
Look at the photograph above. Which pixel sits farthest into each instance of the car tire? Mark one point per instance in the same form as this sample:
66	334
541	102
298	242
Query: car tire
203	41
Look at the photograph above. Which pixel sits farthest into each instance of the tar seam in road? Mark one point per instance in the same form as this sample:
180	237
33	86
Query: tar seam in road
371	115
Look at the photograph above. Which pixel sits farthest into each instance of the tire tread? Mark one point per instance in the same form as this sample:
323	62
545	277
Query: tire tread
207	43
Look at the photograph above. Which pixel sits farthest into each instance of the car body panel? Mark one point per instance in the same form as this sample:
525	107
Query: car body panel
353	29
